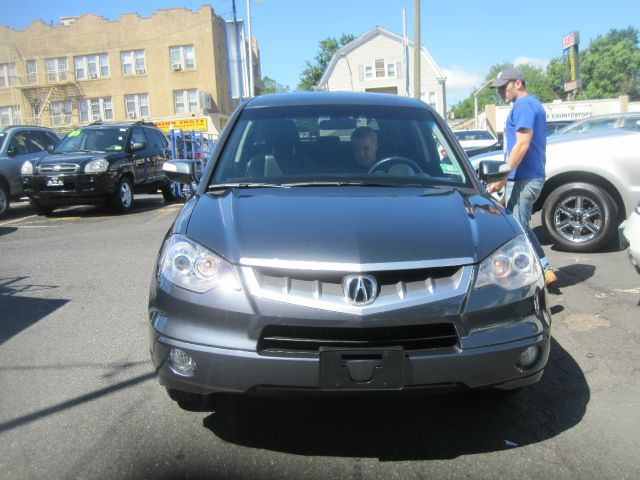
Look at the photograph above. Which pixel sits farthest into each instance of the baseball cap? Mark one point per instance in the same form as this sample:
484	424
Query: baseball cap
506	75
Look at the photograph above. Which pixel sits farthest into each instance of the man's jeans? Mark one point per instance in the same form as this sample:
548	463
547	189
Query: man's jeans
520	195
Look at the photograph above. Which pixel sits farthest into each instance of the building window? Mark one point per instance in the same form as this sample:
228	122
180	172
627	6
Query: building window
137	106
61	113
185	101
432	99
91	67
57	70
391	70
32	72
368	71
133	62
182	57
95	109
10	116
380	69
7	74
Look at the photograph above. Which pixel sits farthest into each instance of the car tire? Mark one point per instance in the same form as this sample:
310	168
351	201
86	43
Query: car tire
5	200
40	209
188	401
579	217
169	193
122	198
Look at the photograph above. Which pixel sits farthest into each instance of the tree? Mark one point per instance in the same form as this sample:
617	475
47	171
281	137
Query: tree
271	86
465	108
310	76
610	66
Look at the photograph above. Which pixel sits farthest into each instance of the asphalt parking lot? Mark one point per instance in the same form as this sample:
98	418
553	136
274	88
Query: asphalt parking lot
79	397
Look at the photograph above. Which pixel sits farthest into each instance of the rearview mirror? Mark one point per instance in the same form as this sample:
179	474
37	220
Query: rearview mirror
491	171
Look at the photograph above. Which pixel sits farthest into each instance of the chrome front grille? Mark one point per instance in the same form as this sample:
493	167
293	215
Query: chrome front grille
59	168
323	289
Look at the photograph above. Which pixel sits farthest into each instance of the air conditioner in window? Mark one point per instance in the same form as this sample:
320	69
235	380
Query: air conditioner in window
96	118
93	76
141	71
132	116
176	67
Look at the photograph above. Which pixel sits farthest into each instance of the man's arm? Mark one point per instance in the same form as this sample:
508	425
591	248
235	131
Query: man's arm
523	141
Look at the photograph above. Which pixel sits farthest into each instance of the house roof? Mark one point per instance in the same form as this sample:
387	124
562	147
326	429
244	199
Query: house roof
364	38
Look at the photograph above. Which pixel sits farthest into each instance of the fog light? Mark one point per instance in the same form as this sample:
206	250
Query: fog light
528	357
181	362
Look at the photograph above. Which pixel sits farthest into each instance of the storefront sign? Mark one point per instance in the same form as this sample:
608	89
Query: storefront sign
195	124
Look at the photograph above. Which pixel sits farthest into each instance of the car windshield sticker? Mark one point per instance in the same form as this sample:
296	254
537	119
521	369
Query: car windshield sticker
447	168
75	133
123	129
117	147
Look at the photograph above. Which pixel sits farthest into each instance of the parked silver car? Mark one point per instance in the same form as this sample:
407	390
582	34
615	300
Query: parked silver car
631	232
603	122
593	184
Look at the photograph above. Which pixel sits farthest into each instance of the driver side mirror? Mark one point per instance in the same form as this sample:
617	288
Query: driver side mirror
182	171
138	146
51	148
11	151
491	171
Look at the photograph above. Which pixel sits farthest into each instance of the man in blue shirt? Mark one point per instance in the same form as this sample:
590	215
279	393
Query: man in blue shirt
525	143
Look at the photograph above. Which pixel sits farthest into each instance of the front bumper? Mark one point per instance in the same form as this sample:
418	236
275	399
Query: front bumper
70	188
229	370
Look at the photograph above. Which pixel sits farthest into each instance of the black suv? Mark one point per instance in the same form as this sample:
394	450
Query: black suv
19	143
98	163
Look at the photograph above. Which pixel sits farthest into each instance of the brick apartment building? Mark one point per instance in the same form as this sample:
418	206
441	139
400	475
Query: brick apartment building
168	67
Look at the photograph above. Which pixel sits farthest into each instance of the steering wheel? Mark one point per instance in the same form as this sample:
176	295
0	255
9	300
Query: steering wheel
396	159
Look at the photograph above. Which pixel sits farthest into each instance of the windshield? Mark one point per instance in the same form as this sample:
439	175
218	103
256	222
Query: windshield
93	139
473	135
338	145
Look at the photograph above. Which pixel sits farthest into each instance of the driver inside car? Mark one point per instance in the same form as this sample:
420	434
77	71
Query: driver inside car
364	144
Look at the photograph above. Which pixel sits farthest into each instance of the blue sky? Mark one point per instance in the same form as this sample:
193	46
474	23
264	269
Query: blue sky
464	37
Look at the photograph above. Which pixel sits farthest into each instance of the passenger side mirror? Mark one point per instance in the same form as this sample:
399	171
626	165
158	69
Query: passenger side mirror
491	171
11	151
182	171
138	146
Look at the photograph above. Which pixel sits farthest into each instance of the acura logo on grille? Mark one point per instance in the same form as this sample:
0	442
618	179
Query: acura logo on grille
360	289
56	168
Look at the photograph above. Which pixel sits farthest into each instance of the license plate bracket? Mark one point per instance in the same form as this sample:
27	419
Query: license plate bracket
55	182
362	368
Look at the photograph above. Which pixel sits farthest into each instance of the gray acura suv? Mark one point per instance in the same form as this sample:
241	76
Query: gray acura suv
296	267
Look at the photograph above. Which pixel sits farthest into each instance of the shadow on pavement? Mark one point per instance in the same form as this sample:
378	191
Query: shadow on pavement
7	230
19	313
140	204
408	428
574	274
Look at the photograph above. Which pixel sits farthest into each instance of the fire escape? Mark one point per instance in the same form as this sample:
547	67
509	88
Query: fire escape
42	91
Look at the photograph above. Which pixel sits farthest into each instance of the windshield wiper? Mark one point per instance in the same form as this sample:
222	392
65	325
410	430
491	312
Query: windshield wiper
222	186
351	183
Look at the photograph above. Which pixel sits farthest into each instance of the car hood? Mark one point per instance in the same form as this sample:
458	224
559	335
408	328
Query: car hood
354	225
78	158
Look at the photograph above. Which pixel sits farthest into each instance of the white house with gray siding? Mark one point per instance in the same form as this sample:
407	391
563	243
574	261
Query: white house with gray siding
373	62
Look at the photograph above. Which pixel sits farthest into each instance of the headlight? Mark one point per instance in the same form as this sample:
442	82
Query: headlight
191	266
27	168
514	265
97	166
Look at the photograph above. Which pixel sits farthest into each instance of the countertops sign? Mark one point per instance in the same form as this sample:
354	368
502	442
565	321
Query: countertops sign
195	124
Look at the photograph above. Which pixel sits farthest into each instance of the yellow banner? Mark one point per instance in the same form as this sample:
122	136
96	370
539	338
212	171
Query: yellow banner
196	124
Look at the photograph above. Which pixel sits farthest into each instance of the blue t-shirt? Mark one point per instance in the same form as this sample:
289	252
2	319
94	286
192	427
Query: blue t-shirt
527	112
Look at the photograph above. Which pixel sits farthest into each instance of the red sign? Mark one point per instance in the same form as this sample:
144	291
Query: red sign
570	40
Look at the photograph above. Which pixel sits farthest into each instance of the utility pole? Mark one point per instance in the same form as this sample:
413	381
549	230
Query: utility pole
416	49
239	57
251	90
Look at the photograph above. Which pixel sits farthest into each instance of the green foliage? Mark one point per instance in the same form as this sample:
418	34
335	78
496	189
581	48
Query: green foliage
310	76
271	86
609	67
